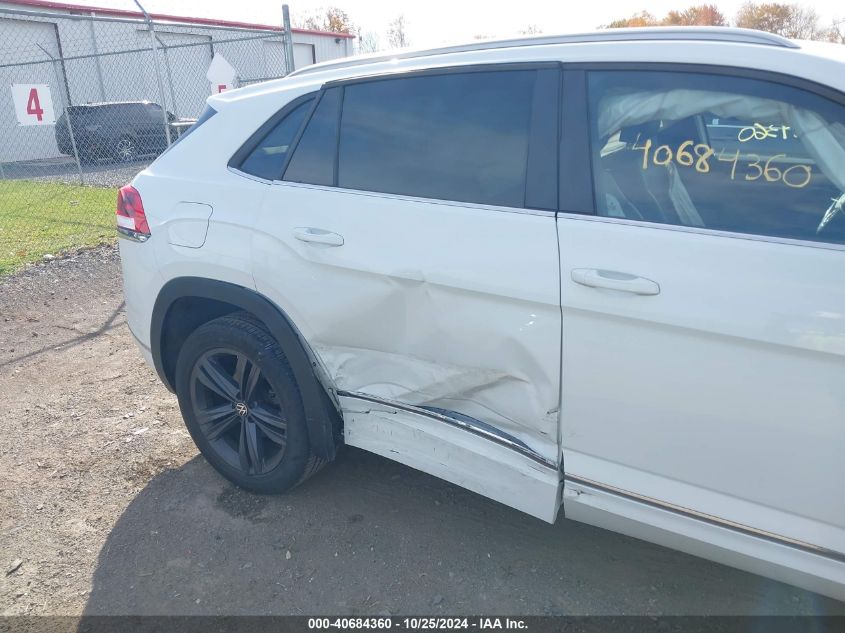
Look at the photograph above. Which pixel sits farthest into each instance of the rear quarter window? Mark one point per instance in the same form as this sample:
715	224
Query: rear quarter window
267	158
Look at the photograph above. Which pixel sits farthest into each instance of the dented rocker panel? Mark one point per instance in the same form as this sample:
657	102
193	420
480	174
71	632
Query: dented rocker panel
460	421
454	450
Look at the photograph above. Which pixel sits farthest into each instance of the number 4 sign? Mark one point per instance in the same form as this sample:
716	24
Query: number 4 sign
33	104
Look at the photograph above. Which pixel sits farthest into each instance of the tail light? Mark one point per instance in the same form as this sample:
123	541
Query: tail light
131	220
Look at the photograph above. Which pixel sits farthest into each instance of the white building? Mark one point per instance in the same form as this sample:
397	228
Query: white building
87	55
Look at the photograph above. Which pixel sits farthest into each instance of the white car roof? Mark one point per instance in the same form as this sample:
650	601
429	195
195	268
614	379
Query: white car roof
723	46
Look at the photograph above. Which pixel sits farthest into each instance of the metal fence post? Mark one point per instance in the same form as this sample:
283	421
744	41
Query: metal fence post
157	71
288	40
169	76
67	112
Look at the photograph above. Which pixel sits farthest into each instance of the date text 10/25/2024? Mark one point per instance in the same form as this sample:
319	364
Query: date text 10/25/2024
417	623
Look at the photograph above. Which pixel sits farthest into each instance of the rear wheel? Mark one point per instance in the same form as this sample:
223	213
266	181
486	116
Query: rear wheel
242	406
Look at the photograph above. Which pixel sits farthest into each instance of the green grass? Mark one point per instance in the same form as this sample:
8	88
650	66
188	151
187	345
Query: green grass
37	218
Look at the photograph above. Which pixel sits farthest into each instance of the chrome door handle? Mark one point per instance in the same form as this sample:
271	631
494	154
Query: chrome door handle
613	280
317	236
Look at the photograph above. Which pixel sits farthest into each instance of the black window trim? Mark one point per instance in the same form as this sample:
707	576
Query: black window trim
544	135
336	165
591	214
256	137
541	155
304	126
575	169
444	70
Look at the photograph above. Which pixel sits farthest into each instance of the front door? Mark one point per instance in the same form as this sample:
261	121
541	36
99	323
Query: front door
416	249
704	303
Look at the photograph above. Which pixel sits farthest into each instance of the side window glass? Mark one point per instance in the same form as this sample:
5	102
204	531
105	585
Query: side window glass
268	157
456	136
717	152
313	159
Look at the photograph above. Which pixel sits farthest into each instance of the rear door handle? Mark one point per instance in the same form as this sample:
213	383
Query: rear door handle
613	280
317	236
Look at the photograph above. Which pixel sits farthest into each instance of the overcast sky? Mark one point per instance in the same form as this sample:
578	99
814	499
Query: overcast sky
430	22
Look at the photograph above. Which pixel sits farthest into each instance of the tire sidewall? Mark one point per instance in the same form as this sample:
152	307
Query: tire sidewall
266	353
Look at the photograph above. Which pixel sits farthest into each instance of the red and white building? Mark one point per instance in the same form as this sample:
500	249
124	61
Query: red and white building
87	54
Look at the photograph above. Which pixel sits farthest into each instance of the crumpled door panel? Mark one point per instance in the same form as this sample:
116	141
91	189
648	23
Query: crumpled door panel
425	303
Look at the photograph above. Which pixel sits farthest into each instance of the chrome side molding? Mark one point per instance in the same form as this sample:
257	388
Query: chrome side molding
706	518
458	420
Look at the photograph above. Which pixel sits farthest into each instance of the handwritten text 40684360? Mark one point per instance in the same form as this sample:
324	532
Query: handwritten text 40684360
698	155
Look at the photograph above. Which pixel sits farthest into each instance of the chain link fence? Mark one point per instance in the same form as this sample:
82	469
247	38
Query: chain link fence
87	101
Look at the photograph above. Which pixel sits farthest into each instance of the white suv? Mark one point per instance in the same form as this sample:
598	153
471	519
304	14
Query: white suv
602	273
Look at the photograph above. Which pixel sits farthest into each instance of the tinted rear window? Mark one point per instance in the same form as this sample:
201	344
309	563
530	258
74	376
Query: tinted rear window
460	136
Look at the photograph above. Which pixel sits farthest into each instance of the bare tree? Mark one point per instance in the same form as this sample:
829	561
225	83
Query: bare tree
331	19
836	32
701	15
643	18
368	42
396	36
790	20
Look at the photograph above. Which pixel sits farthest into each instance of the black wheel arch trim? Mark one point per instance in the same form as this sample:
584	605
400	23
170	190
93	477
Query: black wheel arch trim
318	399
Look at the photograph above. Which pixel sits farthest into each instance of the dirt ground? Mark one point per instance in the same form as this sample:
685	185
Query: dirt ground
106	508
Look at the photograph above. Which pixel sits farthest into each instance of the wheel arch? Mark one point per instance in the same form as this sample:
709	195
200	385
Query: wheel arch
185	303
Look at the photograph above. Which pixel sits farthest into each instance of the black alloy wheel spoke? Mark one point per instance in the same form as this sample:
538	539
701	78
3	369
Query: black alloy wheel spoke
223	426
249	449
243	452
214	377
265	416
241	365
246	377
269	432
248	389
213	415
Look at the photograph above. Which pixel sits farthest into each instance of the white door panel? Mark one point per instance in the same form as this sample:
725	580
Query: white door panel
723	393
428	303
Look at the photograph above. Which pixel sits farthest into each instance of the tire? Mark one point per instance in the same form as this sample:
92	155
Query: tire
125	149
250	427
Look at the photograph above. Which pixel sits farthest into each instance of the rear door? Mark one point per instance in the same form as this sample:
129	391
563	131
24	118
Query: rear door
412	240
703	296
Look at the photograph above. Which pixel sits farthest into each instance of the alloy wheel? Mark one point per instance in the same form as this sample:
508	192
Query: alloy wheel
238	411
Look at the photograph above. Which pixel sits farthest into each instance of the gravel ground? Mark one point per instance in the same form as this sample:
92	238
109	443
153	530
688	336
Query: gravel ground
105	507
